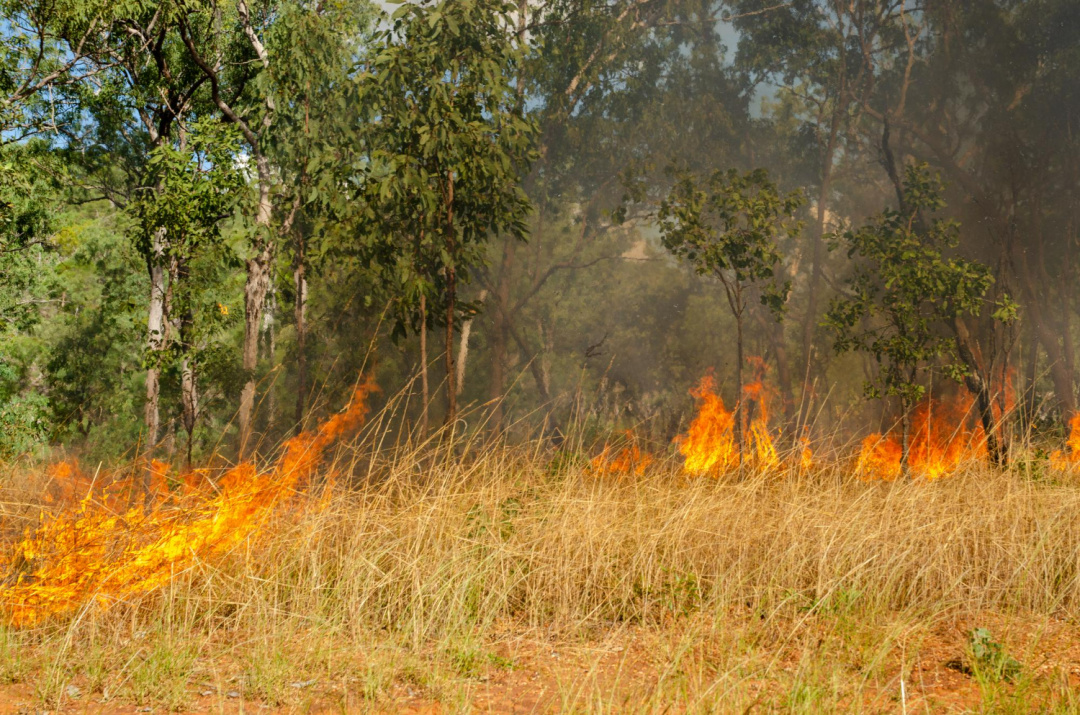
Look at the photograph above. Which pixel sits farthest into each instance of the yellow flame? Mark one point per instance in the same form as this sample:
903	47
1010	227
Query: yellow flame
97	551
941	440
629	459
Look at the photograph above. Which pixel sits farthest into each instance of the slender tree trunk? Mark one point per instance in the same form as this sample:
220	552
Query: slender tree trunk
424	387
740	410
189	396
155	328
500	336
1031	374
977	381
451	306
817	254
269	320
905	438
463	347
255	289
300	316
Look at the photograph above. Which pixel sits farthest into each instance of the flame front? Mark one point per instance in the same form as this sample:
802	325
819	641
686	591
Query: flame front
1069	458
709	446
940	441
94	551
630	459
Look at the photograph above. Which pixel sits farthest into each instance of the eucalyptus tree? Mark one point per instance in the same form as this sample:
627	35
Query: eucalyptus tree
727	227
903	290
822	59
448	145
194	187
993	103
316	48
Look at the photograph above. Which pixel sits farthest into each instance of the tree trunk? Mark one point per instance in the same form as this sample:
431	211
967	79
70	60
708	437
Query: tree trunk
451	305
255	289
817	259
739	402
500	336
300	316
155	328
905	438
1031	375
463	347
424	387
185	323
977	380
189	396
269	324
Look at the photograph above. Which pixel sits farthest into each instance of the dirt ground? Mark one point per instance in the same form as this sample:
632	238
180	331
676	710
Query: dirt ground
626	669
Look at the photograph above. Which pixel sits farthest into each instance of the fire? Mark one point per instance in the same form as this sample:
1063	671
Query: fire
630	459
110	544
940	441
709	445
1071	456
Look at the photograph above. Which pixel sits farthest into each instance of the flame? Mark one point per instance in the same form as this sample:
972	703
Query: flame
630	459
941	440
709	445
117	542
1069	458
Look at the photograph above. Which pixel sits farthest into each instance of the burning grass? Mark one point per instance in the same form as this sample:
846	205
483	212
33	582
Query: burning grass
448	571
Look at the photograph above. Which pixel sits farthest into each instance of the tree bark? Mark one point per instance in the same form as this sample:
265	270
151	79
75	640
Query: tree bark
255	289
155	328
739	402
424	386
300	316
451	305
977	381
817	259
500	336
463	347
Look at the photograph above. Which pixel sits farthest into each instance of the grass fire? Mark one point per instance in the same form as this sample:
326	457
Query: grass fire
500	356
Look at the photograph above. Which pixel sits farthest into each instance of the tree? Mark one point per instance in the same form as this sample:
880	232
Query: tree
315	47
448	146
195	185
903	291
728	228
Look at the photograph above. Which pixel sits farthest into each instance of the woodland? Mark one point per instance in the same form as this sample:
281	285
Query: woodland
216	216
636	356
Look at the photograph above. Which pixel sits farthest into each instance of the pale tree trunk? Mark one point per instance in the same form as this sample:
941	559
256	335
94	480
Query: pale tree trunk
463	348
740	411
155	328
300	314
259	266
500	336
269	320
424	386
816	268
189	396
451	307
255	289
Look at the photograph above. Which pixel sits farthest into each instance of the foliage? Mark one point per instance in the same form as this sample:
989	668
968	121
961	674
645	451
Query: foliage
729	229
991	660
903	288
447	146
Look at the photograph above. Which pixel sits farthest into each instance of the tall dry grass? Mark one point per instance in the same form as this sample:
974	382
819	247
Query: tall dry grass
417	548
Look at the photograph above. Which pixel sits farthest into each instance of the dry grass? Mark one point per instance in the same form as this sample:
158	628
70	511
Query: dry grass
442	577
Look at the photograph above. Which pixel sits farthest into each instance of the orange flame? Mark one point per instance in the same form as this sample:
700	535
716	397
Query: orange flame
709	445
941	440
630	459
92	551
1069	458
